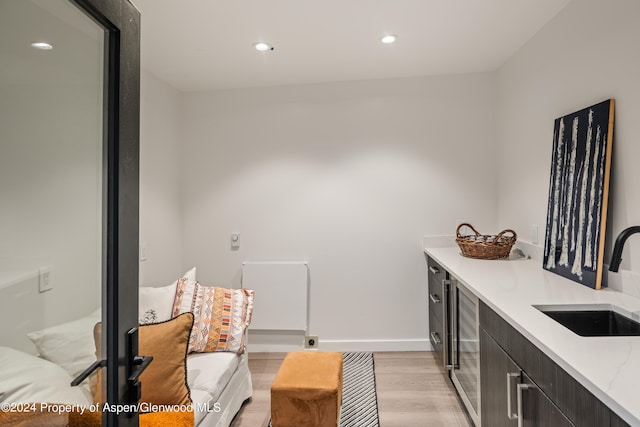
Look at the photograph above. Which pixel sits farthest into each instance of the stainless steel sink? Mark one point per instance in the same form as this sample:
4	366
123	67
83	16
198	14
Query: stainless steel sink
593	321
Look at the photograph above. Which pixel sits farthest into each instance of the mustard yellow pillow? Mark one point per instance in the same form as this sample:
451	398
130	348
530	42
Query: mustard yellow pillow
164	382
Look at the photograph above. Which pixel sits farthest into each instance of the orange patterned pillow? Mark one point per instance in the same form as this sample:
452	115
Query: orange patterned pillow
221	316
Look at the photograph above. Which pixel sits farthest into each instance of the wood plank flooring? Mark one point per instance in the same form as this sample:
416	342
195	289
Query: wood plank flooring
411	390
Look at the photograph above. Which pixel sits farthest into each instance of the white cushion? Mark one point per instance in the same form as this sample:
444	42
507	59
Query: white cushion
69	345
156	303
202	403
25	378
210	372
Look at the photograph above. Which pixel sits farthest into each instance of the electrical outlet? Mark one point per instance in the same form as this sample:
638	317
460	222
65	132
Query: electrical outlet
311	341
534	234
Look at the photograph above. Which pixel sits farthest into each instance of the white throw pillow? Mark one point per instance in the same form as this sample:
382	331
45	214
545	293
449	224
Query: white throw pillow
155	304
69	345
25	378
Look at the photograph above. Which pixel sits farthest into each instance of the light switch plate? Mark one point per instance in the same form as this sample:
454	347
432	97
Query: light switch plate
44	279
235	240
143	251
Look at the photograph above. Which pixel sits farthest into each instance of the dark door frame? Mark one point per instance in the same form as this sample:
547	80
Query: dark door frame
120	193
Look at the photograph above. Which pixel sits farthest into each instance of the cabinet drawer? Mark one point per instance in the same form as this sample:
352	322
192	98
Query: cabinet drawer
436	272
437	338
436	299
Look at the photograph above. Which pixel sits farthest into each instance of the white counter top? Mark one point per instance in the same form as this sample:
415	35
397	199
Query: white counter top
609	367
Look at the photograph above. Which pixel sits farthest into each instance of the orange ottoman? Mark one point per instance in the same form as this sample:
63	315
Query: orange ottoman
307	390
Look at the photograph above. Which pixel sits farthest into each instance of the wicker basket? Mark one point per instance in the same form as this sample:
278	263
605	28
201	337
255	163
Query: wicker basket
485	246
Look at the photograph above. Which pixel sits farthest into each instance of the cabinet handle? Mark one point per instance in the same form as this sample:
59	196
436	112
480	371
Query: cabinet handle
510	376
434	298
434	270
521	387
435	338
445	309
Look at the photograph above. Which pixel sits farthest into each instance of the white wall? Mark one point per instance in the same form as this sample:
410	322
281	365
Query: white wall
348	176
586	54
50	167
160	226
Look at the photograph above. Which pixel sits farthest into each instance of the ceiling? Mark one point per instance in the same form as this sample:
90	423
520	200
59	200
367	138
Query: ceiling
207	44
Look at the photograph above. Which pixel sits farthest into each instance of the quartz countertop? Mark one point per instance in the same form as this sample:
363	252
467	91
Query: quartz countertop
609	367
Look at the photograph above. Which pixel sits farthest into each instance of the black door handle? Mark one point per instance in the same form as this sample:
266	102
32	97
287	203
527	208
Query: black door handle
135	367
85	374
141	362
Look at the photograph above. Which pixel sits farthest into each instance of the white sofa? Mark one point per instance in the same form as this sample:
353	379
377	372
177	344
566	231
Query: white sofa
219	384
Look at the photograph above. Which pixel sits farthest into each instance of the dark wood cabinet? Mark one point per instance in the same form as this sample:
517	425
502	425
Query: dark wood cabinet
453	332
516	377
535	408
508	393
549	396
616	421
498	378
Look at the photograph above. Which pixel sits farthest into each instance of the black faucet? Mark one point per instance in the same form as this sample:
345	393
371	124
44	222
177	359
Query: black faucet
616	257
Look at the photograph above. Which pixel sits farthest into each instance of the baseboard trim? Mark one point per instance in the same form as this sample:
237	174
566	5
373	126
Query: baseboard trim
344	345
376	345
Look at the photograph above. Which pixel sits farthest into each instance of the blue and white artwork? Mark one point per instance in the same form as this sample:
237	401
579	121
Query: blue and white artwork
578	194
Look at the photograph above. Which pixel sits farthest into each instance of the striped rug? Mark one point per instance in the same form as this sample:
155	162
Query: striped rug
359	399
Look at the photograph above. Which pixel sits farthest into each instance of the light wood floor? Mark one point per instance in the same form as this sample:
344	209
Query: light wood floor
411	390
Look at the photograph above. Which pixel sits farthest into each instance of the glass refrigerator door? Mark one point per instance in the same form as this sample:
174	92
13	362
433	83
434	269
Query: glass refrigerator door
466	348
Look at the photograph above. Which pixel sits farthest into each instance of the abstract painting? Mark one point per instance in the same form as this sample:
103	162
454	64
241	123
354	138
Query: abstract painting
578	194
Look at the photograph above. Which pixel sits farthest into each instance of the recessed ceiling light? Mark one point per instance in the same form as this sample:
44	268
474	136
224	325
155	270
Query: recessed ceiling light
41	46
262	46
389	38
